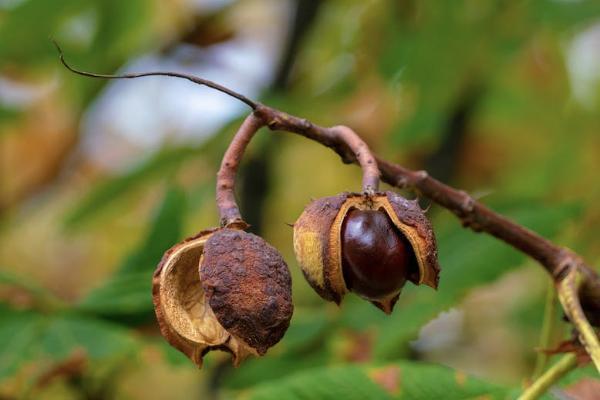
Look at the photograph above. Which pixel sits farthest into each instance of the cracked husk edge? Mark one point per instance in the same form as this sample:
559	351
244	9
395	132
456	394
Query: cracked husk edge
184	317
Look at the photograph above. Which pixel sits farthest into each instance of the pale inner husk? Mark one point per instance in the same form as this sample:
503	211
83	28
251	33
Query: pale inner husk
309	251
185	309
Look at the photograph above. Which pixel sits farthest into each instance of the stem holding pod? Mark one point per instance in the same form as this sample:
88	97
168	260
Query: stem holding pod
537	389
226	203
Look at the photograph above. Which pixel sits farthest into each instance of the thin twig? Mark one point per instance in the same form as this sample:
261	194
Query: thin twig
565	365
342	135
364	157
200	81
547	335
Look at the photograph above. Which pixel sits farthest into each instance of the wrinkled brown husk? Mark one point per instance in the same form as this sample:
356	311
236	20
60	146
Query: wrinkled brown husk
248	286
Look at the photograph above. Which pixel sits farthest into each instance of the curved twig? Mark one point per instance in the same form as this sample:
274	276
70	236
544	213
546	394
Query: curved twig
341	139
363	155
200	81
226	203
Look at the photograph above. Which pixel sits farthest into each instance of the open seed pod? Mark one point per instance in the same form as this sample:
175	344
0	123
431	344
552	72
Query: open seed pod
223	289
367	244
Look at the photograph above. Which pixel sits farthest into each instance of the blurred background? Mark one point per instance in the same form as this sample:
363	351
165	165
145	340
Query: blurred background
98	178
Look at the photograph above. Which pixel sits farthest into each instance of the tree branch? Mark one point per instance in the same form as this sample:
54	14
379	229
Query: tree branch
582	300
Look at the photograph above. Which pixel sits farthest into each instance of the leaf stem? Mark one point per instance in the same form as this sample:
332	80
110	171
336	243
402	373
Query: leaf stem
568	294
226	203
565	365
547	334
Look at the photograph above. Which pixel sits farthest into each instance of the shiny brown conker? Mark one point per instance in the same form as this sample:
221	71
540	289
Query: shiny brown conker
376	258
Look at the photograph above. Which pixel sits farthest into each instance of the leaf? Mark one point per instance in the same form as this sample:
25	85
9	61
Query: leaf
35	290
121	295
115	29
28	336
467	260
170	354
349	383
435	51
105	194
128	291
19	333
273	367
401	380
307	327
164	232
24	45
303	347
564	15
300	349
100	340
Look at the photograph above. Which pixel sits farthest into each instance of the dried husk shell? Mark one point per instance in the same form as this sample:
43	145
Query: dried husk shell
182	304
248	286
317	240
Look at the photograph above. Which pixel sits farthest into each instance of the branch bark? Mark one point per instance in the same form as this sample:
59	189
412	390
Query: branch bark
557	261
560	262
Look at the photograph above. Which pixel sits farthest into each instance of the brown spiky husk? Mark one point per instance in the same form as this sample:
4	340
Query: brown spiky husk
317	240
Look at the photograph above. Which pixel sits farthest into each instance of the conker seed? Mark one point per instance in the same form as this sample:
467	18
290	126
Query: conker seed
376	257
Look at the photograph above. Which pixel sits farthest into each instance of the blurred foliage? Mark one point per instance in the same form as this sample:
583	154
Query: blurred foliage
79	242
402	380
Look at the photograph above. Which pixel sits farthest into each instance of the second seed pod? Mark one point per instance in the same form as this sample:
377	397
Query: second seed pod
367	244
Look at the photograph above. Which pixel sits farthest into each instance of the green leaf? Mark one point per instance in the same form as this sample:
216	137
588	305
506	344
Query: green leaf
107	193
165	231
26	336
268	369
300	349
402	380
19	334
467	260
38	292
170	354
128	291
122	295
100	340
564	14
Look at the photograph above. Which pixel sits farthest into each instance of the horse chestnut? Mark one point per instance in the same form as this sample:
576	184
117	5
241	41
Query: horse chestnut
367	244
376	257
223	289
